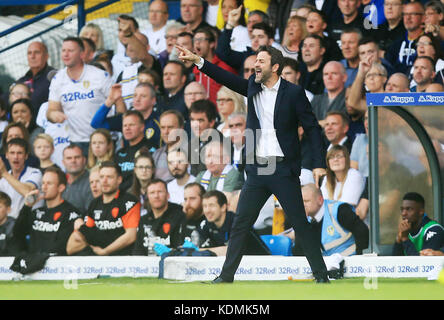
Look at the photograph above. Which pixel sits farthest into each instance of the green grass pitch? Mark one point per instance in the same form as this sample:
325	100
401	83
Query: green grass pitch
156	289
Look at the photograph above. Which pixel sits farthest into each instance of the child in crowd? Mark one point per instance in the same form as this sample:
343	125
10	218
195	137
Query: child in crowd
43	150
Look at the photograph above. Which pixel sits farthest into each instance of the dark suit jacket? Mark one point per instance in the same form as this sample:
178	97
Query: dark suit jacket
292	107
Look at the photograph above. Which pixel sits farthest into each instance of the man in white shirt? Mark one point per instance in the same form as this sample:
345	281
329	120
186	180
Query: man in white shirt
76	93
21	179
158	17
178	166
276	146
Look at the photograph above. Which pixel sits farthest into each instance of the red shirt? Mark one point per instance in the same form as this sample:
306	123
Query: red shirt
211	85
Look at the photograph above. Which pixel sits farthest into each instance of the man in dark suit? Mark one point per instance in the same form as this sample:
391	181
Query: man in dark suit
275	107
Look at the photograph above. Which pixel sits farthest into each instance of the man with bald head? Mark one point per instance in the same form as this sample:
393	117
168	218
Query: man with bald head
158	17
338	228
37	76
193	91
398	82
334	77
192	14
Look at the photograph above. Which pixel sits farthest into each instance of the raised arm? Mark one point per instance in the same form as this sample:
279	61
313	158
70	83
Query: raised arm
223	50
226	78
356	94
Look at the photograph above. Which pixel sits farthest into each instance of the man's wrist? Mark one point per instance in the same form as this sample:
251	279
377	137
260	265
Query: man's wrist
200	63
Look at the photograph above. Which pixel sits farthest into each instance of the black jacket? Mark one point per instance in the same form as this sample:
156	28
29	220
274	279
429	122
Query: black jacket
292	107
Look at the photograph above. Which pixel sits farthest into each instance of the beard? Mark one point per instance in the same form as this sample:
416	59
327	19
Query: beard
265	75
110	192
178	174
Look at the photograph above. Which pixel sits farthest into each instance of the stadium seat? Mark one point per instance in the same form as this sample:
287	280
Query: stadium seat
278	245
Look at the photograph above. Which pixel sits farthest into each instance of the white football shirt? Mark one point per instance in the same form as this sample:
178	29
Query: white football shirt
80	99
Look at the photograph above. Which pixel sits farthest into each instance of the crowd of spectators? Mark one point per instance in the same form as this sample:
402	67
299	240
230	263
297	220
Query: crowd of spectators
144	139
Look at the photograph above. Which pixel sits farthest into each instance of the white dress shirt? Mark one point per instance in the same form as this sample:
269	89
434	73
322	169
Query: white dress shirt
264	104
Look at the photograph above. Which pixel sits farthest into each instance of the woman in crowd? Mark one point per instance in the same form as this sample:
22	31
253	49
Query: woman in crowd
21	111
101	147
18	91
143	173
342	183
228	102
3	116
374	76
429	45
294	33
43	150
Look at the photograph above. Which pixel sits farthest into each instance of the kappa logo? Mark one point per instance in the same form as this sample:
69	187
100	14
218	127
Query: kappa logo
97	214
129	205
39	214
430	235
73	216
398	99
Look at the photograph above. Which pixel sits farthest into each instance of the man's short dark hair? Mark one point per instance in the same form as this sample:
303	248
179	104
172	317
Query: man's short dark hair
353	30
276	57
344	117
265	18
76	40
221	198
209	35
90	43
73	145
292	63
414	196
321	40
61	176
266	27
205	106
155	75
183	69
321	14
127	17
136	113
430	59
185	34
177	114
156	181
5	199
197	185
367	40
111	164
18	142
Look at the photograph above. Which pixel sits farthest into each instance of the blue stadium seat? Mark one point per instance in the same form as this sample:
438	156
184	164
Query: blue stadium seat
278	245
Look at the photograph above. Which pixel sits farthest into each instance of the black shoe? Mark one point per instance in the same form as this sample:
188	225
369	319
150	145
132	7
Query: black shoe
322	280
220	280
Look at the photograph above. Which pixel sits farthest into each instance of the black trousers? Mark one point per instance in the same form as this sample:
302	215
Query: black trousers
255	192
